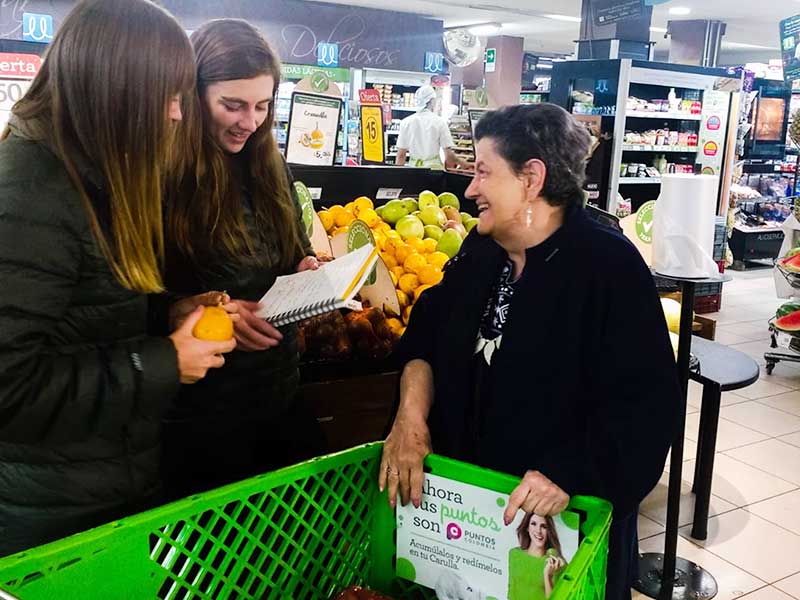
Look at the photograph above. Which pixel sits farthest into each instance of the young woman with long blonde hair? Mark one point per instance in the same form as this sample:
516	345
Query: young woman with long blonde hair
82	165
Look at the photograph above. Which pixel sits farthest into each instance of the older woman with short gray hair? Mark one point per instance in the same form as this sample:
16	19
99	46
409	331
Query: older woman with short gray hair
544	351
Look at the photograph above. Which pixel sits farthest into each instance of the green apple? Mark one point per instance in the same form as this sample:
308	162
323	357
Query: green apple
410	226
449	243
465	217
449	199
428	198
471	223
433	231
432	215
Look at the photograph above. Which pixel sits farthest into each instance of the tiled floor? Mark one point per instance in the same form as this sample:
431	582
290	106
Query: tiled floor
753	545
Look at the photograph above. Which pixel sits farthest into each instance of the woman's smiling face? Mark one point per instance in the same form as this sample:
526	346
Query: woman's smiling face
235	109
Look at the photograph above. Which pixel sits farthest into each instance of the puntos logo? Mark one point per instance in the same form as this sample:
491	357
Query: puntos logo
453	532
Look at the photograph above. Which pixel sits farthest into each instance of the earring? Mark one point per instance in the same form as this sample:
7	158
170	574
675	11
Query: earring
529	215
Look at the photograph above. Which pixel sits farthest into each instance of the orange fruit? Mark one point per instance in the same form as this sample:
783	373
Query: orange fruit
384	227
416	244
419	290
393	277
429	245
438	259
402	252
408	283
327	219
392	244
407	314
398	272
214	326
369	216
351	206
391	233
414	263
344	218
362	204
338	230
389	260
429	275
336	209
395	325
403	298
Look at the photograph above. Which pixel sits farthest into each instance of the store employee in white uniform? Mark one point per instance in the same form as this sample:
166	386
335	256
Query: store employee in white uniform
424	134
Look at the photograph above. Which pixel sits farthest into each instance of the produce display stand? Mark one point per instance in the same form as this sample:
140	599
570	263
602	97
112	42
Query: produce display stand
353	399
667	576
307	531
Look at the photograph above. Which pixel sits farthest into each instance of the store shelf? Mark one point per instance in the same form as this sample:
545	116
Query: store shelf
404	108
647	148
639	114
639	180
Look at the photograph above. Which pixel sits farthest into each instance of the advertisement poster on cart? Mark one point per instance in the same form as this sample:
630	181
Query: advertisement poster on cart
457	544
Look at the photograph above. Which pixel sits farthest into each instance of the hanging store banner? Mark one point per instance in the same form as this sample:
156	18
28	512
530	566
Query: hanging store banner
366	38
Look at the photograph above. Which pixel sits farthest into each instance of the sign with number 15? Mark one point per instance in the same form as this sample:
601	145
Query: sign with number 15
372	134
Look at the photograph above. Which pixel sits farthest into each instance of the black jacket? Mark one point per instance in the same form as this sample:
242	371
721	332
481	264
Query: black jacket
82	389
584	384
250	383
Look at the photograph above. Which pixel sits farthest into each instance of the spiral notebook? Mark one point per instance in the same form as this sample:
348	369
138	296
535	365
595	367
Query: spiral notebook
303	295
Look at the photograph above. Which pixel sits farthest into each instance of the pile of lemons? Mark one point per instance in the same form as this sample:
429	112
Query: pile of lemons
414	264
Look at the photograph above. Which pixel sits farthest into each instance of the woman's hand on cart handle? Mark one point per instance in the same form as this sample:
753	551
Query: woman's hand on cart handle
401	463
538	495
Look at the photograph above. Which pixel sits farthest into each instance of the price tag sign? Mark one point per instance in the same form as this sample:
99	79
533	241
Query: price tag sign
372	150
315	192
388	193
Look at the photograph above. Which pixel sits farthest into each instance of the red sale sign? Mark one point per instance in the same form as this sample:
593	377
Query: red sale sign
369	96
22	66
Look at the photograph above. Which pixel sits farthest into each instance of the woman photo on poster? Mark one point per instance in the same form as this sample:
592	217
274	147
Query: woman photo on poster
536	565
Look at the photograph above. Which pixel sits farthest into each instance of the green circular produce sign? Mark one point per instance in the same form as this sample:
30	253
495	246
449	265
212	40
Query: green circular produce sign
358	236
644	222
306	205
320	82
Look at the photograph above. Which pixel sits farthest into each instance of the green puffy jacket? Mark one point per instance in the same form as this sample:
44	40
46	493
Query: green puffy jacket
82	389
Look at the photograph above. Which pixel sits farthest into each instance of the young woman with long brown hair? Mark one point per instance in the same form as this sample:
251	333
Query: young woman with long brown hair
235	225
82	388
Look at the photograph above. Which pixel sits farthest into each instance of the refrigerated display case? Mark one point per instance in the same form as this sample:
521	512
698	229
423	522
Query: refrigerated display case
657	117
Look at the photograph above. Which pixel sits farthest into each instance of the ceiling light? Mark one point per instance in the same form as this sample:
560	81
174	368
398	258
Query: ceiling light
680	11
727	44
568	18
484	29
659	29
